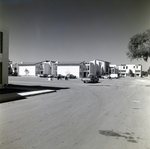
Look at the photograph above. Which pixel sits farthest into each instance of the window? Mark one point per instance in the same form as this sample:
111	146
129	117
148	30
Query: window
1	42
123	67
133	66
0	72
126	67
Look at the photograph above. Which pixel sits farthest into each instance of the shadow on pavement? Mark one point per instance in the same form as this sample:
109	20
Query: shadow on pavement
11	93
35	87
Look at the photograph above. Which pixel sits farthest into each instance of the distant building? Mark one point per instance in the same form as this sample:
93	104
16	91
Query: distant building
4	46
83	69
93	68
76	68
36	69
97	67
79	68
128	69
114	69
104	67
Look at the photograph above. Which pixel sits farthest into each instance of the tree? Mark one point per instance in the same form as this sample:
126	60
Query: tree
148	71
26	71
10	70
131	73
139	46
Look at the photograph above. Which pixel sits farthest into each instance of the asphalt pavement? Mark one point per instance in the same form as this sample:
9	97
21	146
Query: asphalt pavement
111	114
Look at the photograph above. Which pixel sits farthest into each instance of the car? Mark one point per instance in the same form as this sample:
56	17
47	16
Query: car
90	79
71	76
114	76
43	75
105	77
60	76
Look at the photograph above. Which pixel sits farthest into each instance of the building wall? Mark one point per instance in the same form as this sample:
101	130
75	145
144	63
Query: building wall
31	70
64	70
92	69
114	69
99	67
83	70
46	68
104	67
95	67
54	69
126	69
4	46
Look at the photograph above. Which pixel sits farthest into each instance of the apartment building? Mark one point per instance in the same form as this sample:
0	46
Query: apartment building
114	69
4	48
77	68
38	68
128	69
96	67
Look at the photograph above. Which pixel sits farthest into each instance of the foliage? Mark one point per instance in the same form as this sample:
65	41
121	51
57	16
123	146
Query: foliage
148	71
139	46
144	73
130	72
10	70
26	71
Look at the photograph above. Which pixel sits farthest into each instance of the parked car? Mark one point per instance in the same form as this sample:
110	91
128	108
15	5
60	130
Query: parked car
90	79
60	76
114	76
43	75
71	76
106	77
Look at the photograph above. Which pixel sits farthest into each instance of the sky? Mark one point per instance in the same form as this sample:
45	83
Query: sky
74	30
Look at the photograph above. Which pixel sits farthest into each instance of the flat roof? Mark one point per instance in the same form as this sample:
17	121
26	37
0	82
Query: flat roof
70	63
33	63
101	60
28	63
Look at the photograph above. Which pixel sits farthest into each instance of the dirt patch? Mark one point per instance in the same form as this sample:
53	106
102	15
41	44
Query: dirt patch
110	133
133	141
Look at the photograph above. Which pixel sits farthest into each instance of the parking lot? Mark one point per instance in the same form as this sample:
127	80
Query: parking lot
111	114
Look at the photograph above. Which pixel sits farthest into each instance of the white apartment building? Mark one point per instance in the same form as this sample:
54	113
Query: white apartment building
80	69
127	69
98	67
4	46
76	68
38	68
